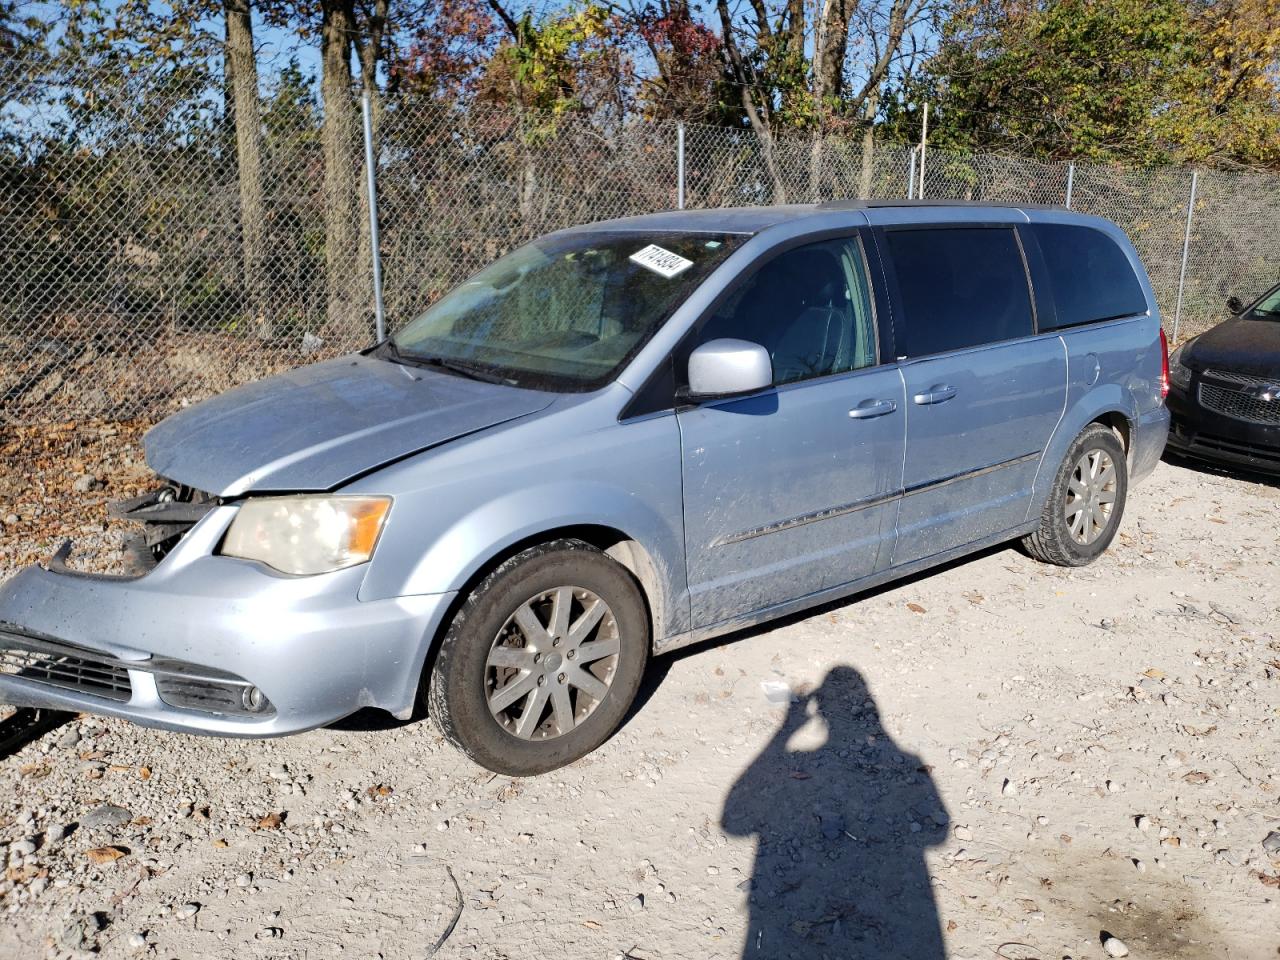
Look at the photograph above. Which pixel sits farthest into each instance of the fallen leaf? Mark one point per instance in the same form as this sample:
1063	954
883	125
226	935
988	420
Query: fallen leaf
271	821
144	773
915	608
101	855
1193	732
1217	520
1154	673
219	842
1197	776
952	926
800	775
591	924
378	790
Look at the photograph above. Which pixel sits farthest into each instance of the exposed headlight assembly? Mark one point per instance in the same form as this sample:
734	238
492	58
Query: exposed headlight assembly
1179	374
307	535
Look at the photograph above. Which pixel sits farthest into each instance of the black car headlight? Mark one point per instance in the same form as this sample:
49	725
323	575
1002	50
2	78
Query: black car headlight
1179	373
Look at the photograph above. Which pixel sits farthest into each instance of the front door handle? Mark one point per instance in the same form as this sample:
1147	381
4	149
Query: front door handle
872	408
938	393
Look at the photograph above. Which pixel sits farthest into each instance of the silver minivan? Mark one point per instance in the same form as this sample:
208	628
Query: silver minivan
617	440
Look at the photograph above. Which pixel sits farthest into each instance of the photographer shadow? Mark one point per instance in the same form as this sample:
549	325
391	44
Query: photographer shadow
842	824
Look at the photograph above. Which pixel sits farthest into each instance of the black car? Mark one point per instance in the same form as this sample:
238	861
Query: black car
1225	389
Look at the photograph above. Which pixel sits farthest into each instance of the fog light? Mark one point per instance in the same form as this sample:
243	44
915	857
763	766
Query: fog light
253	700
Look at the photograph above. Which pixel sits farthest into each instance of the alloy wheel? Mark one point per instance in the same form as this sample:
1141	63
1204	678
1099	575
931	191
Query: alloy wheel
552	663
1091	496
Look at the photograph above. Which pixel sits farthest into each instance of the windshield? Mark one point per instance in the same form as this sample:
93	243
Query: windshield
1268	308
564	312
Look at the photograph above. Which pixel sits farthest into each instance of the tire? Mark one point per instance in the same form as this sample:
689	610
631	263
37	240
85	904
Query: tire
1070	539
524	696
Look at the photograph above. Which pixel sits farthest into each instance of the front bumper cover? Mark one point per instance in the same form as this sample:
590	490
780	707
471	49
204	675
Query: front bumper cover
1208	435
315	650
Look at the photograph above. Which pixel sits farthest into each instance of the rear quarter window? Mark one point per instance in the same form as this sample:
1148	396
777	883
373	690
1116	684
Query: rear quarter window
960	287
1090	276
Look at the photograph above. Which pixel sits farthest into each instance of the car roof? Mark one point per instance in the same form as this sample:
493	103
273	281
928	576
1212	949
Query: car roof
751	220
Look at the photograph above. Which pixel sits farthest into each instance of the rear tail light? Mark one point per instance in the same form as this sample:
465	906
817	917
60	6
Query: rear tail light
1164	365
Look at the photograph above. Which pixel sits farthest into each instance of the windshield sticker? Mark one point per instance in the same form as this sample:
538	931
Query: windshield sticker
660	261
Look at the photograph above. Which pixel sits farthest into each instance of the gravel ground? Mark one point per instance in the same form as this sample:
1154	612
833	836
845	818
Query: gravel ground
1000	759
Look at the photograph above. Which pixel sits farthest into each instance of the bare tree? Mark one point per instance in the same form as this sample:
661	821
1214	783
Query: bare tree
242	76
757	109
338	139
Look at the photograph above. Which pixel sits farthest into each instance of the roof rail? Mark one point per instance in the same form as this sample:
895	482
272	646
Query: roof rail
875	204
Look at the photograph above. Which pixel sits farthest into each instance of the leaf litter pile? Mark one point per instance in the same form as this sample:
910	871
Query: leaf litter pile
56	482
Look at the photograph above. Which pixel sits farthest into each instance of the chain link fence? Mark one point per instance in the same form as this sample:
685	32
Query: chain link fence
137	275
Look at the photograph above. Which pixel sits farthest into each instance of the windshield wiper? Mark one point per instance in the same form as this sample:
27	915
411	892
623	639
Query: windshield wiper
460	367
391	351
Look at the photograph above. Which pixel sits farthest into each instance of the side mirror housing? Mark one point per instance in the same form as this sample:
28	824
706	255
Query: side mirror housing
1235	305
728	368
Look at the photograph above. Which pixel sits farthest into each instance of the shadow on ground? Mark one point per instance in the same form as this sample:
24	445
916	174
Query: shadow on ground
842	817
1231	471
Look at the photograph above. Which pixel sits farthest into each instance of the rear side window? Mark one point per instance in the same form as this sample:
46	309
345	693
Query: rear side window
960	287
1090	276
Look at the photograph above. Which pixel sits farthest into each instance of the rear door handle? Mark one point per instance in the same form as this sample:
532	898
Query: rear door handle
872	408
938	393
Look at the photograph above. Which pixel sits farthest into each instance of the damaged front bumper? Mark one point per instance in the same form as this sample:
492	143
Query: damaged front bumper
210	644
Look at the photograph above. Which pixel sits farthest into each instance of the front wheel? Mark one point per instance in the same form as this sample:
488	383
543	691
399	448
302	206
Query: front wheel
1082	514
542	661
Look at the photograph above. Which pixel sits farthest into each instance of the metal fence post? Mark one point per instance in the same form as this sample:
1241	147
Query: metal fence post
1071	179
680	165
924	140
379	317
1186	246
911	176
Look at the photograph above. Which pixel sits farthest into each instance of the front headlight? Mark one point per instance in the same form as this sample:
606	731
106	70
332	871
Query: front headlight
306	535
1179	374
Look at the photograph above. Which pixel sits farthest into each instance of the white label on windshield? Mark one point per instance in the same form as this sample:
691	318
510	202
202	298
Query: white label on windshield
661	261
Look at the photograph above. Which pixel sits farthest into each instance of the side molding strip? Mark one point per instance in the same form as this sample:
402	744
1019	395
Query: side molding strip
866	503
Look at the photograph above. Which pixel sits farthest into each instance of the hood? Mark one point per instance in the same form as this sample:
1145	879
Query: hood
320	426
1238	346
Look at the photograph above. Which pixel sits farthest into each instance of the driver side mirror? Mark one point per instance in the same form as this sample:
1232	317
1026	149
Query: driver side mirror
728	368
1235	305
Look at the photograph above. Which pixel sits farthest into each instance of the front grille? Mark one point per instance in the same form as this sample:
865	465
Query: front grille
63	666
1239	404
179	683
1227	376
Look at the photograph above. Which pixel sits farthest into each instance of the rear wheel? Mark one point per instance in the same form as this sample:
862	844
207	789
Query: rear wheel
1082	514
542	661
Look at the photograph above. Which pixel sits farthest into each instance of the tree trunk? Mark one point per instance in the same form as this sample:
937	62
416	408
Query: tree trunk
339	139
830	47
759	124
815	164
241	68
869	144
